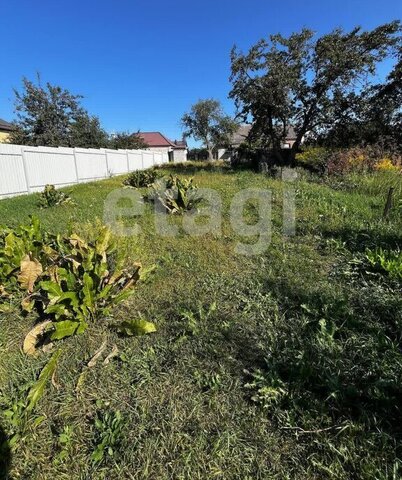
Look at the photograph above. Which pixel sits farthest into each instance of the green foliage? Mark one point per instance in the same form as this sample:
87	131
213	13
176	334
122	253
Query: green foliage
82	284
266	388
179	196
38	389
108	425
307	83
19	415
52	116
77	282
314	158
207	122
136	327
15	244
142	178
387	261
315	324
65	441
127	141
50	197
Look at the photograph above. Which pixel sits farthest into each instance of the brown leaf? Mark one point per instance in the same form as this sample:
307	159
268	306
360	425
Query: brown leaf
31	340
95	358
30	271
112	354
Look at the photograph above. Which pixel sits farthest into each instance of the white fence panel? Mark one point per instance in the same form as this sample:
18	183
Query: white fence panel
147	159
91	164
49	165
134	160
29	169
158	158
12	174
116	162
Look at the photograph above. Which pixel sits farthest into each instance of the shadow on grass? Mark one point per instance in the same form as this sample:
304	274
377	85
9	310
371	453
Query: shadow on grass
5	456
359	241
194	167
326	344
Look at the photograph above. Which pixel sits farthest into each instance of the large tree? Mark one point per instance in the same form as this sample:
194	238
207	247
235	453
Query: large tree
206	122
305	82
52	116
127	141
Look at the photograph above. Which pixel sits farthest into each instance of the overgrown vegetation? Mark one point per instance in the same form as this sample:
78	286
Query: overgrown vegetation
283	365
142	178
177	195
325	161
50	197
66	280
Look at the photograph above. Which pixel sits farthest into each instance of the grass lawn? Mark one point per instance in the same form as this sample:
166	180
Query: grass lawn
284	365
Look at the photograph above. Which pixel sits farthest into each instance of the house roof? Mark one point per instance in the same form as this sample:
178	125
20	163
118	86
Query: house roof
243	131
156	139
6	126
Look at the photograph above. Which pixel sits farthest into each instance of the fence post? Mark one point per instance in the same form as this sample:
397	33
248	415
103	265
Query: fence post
128	162
388	204
76	168
107	164
24	164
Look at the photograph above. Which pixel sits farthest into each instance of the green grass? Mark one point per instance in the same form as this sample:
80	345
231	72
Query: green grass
282	365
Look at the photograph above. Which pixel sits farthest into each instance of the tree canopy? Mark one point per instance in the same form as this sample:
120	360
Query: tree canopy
307	83
206	122
52	116
127	141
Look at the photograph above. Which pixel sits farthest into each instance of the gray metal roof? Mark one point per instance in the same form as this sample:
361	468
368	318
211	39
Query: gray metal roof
6	126
243	131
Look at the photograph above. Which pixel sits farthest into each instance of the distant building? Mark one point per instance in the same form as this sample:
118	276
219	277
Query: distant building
5	130
177	149
241	136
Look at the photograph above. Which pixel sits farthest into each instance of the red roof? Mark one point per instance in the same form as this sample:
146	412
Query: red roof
156	139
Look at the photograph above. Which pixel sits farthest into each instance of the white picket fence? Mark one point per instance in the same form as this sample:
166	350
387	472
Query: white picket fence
28	169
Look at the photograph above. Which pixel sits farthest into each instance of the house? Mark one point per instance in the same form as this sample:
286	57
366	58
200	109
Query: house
177	149
241	135
5	130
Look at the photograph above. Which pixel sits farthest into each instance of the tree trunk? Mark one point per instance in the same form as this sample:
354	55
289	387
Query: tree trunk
210	154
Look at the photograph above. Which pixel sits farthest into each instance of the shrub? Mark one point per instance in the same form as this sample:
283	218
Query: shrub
178	196
142	178
50	197
81	284
385	164
314	158
68	280
386	261
344	161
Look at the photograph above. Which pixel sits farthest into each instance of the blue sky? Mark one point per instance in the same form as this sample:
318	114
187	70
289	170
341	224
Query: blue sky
141	64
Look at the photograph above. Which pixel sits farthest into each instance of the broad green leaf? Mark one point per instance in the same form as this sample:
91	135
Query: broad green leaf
53	288
67	328
136	327
38	389
103	241
88	290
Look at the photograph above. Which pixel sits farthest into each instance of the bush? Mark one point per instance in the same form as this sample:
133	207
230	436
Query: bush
142	178
314	158
386	164
178	196
344	161
68	280
386	261
50	197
